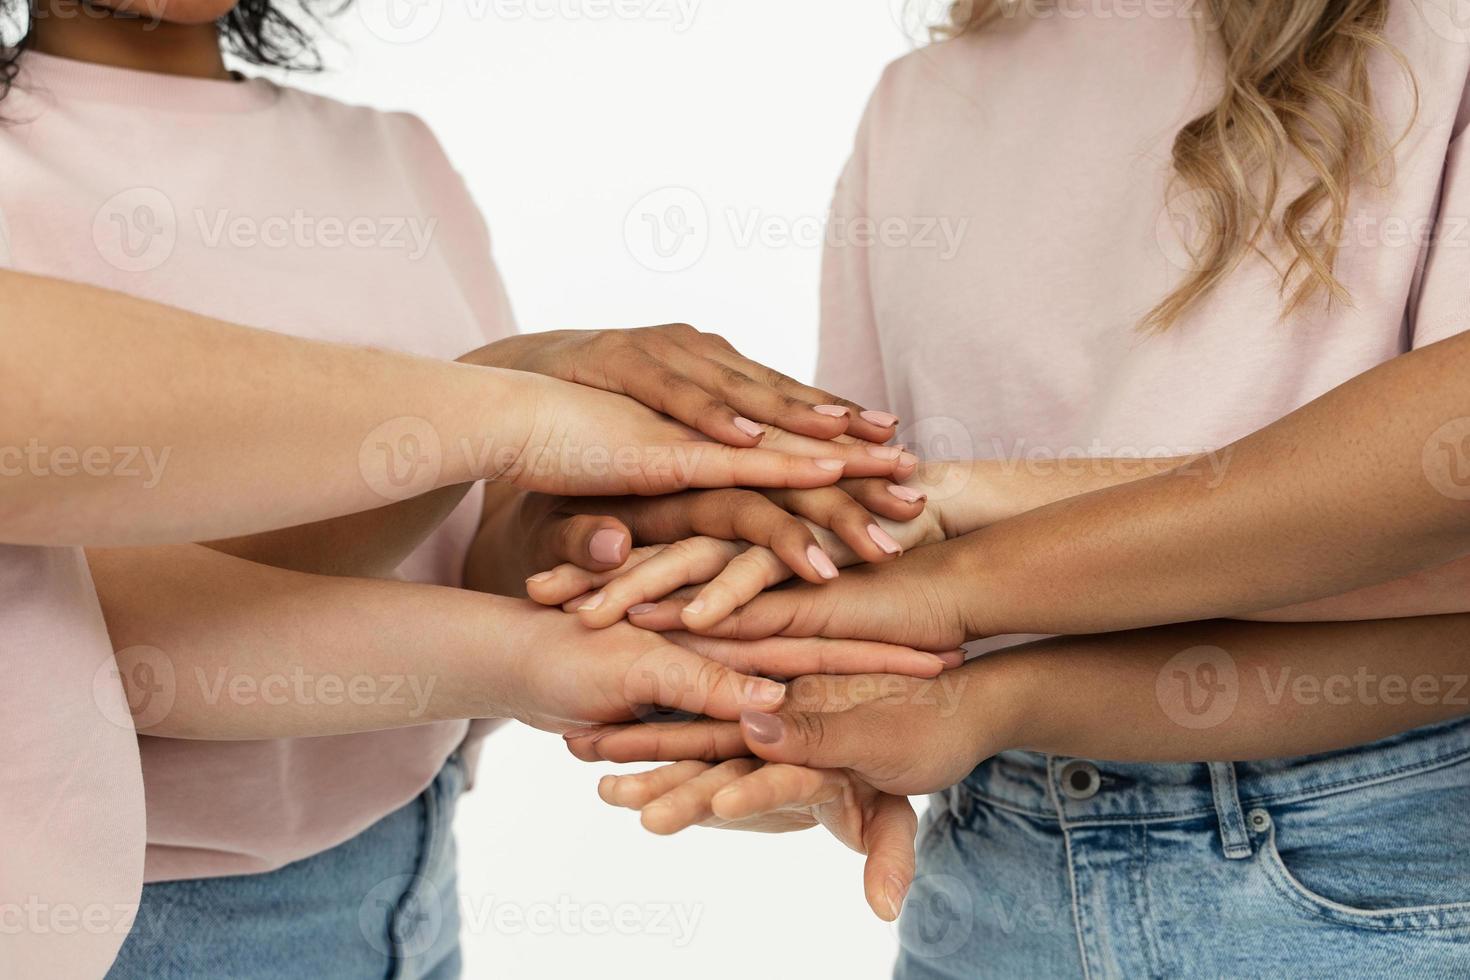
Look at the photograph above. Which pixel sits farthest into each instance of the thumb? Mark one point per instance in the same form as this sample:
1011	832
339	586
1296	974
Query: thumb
888	838
596	543
823	740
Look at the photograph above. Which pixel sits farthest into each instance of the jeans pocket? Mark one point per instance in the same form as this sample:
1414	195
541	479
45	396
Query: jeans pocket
1387	857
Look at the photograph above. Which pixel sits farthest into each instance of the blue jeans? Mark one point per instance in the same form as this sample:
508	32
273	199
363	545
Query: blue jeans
382	904
1344	865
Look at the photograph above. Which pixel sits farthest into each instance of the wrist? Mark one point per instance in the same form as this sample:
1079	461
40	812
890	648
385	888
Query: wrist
982	583
494	419
1000	704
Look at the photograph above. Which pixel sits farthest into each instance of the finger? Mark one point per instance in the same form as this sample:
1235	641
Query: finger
691	561
888	837
596	543
636	790
743	578
709	465
859	458
668	390
836	510
746	515
870	426
567	581
701	739
689	803
859	737
777	786
791	657
669	676
661	617
885	498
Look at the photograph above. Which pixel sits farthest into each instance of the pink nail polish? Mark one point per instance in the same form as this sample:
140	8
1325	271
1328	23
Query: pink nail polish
885	420
750	428
908	459
763	728
831	465
593	602
885	452
695	608
835	411
642	609
884	540
606	546
907	494
821	562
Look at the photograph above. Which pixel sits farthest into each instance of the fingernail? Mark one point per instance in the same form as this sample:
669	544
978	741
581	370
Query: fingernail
893	891
821	562
907	494
885	452
695	608
541	577
582	732
765	729
642	608
835	411
886	420
953	659
728	793
593	602
606	546
908	459
884	540
750	428
767	692
831	465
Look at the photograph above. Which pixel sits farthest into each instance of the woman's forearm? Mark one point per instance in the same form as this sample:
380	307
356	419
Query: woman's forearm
1356	489
150	424
1237	691
214	647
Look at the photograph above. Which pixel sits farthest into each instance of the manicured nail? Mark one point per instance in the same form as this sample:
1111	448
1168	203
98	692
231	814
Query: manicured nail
953	659
606	546
884	540
885	452
821	562
582	732
762	728
541	577
831	465
593	602
907	494
893	891
750	428
695	608
886	420
643	608
728	793
765	691
908	459
836	411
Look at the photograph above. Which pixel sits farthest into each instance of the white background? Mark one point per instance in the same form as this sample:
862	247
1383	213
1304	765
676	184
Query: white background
564	115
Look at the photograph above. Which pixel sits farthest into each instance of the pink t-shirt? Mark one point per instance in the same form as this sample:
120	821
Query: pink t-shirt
1002	227
263	206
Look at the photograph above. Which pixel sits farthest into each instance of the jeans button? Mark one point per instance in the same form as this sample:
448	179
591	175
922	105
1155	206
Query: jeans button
1080	780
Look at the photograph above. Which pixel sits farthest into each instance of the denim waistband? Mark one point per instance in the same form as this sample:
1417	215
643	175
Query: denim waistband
1036	785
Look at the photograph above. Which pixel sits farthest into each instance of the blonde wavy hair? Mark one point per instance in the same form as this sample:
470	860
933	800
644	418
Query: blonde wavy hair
1297	90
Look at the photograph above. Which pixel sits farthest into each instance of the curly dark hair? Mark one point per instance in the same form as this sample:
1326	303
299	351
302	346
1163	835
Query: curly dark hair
257	32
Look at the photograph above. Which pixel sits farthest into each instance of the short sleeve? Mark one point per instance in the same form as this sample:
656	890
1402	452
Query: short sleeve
1442	302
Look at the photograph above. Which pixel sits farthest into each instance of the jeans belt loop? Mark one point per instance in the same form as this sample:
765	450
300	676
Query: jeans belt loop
1233	833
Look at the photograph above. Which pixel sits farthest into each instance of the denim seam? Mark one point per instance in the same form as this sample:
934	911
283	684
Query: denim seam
1077	924
1359	782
